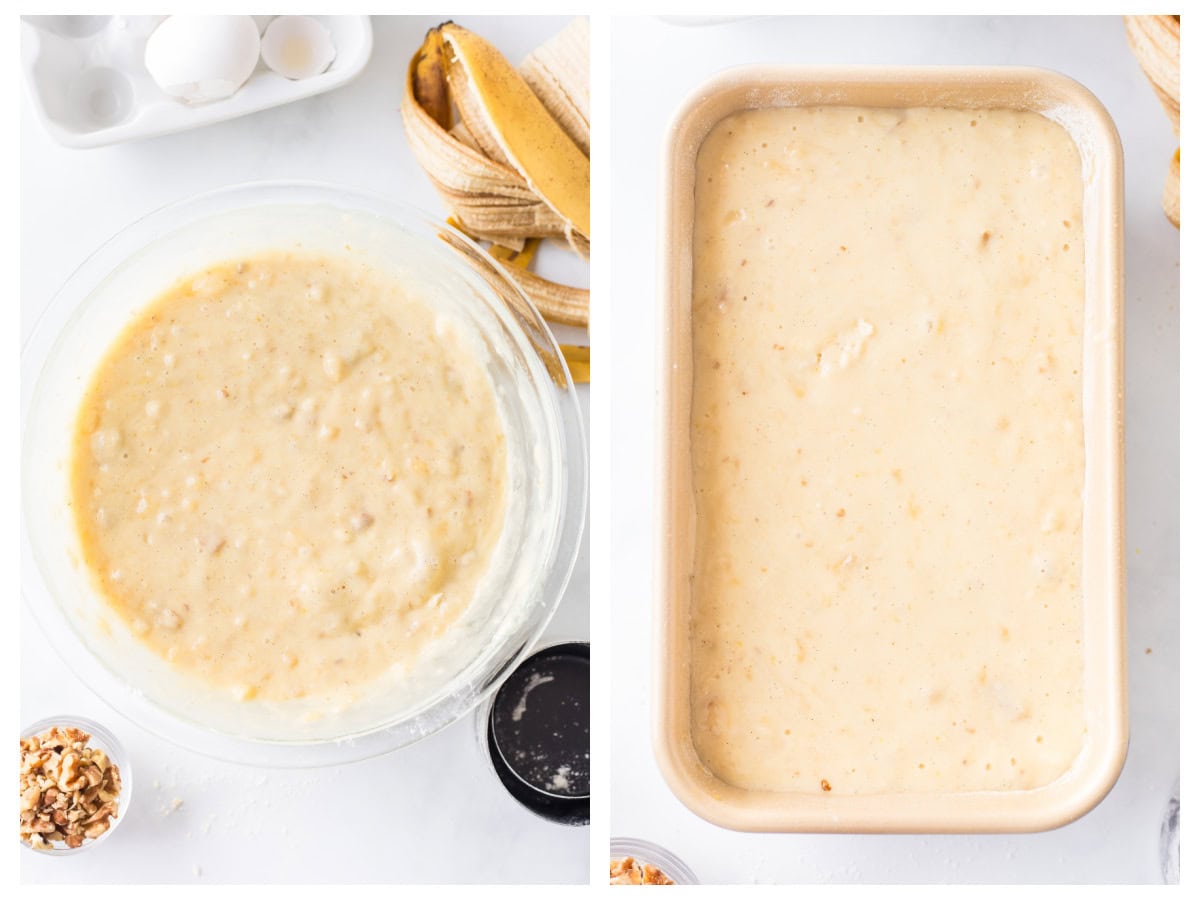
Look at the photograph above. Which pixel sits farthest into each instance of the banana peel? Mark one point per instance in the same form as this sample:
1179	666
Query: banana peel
579	362
558	74
489	199
556	302
428	79
508	170
509	122
561	304
1155	42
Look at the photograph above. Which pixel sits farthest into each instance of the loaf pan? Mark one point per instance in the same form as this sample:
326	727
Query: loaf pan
1104	684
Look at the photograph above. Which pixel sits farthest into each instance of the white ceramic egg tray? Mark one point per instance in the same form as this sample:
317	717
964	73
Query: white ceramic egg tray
90	87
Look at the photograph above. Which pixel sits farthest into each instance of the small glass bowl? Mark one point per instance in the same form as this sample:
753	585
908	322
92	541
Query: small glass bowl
649	853
105	741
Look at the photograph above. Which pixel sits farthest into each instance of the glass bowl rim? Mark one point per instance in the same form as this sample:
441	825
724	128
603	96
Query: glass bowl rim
647	852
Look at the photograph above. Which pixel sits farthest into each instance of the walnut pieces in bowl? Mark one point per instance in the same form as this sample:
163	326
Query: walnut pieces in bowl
74	785
637	862
631	872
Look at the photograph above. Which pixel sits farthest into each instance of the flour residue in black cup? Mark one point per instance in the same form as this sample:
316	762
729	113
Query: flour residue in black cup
538	733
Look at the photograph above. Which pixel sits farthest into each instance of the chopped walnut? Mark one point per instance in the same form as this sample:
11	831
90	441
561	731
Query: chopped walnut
69	791
631	872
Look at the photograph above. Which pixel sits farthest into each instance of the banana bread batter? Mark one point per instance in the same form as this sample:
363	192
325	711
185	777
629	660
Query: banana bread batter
887	447
289	475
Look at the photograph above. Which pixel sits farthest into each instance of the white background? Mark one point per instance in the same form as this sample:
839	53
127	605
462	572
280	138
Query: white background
430	813
1118	842
446	818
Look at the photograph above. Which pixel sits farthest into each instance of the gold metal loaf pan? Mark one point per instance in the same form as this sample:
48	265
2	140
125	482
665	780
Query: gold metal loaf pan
1104	685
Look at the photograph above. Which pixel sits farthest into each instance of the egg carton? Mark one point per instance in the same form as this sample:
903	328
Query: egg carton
89	85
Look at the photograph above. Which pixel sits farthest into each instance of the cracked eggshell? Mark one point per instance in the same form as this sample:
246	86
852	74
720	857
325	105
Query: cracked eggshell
197	59
297	47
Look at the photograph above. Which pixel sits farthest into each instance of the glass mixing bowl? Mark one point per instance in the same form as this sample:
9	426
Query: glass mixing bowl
547	478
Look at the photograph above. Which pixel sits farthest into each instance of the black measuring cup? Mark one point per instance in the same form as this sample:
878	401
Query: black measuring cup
537	733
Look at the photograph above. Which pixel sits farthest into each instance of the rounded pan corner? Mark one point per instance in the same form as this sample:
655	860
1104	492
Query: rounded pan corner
1081	99
690	783
1070	89
673	761
694	108
1081	793
694	101
1069	798
688	779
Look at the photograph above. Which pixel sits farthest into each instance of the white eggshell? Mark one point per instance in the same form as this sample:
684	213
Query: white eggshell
297	47
198	59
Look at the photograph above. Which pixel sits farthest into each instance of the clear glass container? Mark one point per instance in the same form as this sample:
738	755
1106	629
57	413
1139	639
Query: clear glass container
648	853
105	741
533	387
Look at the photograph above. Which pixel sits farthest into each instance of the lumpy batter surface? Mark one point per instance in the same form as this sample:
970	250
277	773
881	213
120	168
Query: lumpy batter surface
289	475
887	446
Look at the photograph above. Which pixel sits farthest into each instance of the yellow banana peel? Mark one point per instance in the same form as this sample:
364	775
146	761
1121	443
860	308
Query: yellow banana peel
512	170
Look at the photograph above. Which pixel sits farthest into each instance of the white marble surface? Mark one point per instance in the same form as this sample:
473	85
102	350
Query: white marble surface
1118	841
429	813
